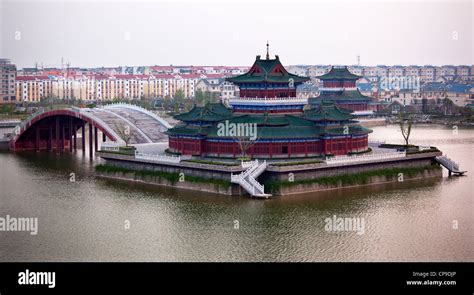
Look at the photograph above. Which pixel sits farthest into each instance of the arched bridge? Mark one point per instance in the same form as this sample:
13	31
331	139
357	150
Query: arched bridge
56	128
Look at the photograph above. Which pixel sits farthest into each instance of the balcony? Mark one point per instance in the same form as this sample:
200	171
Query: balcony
268	100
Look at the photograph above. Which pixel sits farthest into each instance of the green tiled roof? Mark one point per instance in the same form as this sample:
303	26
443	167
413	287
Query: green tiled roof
328	111
353	130
339	74
296	128
188	130
268	126
280	132
266	67
211	112
263	120
343	95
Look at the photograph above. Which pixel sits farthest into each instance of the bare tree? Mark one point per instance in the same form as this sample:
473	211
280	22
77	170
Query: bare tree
245	142
405	126
125	132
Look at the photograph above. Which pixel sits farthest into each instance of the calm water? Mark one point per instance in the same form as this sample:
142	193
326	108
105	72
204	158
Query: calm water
85	220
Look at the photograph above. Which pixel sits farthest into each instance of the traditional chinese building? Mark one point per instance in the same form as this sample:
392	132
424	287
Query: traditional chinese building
339	85
267	87
283	129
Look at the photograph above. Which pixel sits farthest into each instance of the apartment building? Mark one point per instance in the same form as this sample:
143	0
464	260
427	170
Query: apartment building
7	81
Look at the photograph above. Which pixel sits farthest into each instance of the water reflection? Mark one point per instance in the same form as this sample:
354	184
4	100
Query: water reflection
86	219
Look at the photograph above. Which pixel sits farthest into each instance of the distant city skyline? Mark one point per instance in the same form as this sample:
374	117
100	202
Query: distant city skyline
111	34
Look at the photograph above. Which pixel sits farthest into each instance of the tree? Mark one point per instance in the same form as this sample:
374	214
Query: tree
245	140
244	144
405	126
199	97
179	95
188	104
211	97
125	133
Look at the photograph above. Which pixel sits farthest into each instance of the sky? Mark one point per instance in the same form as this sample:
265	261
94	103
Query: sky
185	32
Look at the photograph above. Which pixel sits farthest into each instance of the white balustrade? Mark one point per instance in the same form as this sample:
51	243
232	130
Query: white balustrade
270	100
111	146
247	178
376	143
361	158
257	185
246	164
447	162
157	157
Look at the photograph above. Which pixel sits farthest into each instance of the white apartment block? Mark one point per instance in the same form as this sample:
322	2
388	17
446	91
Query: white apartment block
296	70
315	71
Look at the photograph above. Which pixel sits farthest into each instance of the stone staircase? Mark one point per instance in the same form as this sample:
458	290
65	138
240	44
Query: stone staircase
248	178
449	164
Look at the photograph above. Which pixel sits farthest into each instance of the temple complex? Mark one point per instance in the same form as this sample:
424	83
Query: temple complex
339	85
283	128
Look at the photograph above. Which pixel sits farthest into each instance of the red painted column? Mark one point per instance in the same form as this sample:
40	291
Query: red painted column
75	137
96	140
70	134
91	131
57	135
50	138
83	137
63	135
37	138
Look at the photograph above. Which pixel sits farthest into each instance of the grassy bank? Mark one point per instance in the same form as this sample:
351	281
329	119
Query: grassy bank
349	179
171	177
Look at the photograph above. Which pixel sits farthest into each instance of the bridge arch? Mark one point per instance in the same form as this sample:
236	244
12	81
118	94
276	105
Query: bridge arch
56	128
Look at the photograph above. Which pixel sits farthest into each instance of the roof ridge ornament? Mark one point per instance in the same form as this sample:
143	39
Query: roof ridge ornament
268	51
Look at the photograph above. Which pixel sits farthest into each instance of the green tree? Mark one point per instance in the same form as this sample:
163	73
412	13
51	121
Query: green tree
179	95
199	97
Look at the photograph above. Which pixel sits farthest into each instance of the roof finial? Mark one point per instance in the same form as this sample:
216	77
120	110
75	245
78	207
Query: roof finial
268	52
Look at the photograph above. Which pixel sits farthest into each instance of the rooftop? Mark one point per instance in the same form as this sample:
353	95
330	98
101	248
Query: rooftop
267	70
339	73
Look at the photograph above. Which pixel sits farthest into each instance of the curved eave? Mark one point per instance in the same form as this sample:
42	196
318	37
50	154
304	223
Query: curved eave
337	74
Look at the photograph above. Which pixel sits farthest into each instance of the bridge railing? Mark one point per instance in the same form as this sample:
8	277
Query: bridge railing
448	163
111	146
376	143
141	109
247	164
257	185
361	158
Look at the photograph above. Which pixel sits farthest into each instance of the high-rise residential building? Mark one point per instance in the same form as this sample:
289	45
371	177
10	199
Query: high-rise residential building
7	81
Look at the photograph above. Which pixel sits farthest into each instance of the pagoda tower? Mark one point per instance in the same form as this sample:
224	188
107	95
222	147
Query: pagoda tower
267	88
283	129
339	85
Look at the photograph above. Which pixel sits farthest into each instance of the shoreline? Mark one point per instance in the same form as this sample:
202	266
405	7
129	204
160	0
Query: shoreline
306	178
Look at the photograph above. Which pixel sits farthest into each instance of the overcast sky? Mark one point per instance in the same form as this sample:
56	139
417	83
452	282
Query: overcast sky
105	33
